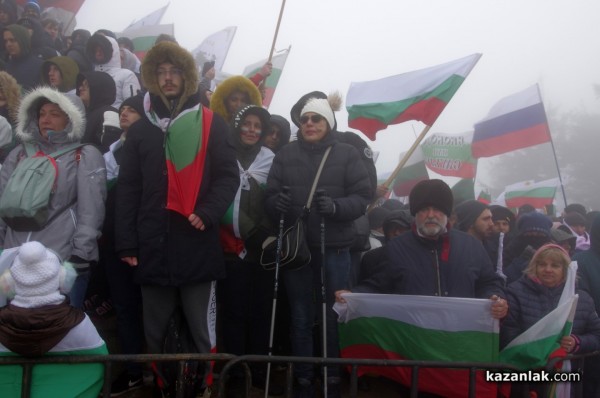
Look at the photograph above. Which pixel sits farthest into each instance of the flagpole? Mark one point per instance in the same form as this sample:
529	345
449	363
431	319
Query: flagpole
276	30
562	187
407	156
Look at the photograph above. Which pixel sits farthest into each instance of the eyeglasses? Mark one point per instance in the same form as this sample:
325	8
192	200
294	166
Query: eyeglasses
167	72
313	118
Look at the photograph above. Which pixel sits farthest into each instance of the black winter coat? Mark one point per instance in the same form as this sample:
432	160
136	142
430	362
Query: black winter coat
455	265
344	178
529	301
170	251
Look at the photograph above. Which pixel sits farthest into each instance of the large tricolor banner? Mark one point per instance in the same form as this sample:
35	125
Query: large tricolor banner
450	154
515	122
145	36
418	95
270	83
381	326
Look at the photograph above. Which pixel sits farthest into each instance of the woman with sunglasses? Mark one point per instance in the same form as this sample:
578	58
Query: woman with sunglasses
343	192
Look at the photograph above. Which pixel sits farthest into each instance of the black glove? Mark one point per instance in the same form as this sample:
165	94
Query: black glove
284	202
325	205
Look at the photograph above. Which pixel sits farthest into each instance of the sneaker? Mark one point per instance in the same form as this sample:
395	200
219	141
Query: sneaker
125	383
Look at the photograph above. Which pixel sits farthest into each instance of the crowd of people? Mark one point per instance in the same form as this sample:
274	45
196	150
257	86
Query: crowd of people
167	190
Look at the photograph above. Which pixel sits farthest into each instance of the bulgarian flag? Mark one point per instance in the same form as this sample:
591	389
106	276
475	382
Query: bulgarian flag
413	172
450	154
537	194
143	37
418	95
151	19
382	326
464	190
60	380
214	48
270	83
484	197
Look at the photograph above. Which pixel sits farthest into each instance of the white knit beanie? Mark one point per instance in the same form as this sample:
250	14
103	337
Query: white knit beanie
320	106
36	274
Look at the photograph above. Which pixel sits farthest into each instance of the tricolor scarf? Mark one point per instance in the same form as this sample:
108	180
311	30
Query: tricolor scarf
186	144
259	170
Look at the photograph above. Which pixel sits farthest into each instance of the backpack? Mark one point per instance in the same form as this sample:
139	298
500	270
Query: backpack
25	201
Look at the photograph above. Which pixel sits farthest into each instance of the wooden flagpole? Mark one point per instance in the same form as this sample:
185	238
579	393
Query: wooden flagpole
276	30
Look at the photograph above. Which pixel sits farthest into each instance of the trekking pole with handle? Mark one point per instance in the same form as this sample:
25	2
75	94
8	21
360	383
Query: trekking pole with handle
284	190
320	193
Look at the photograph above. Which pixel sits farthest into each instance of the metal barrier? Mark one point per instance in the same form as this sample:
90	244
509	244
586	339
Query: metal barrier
232	360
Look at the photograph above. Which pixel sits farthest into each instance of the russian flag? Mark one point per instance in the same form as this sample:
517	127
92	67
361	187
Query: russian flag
515	122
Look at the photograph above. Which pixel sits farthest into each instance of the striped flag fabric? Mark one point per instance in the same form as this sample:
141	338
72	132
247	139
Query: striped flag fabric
538	194
153	18
463	190
382	326
515	122
532	348
144	37
484	197
417	95
214	48
450	154
271	82
413	172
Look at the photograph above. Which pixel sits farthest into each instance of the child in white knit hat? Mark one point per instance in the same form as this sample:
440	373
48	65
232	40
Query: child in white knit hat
39	321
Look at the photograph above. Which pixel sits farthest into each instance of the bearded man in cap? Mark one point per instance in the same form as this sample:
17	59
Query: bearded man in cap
434	259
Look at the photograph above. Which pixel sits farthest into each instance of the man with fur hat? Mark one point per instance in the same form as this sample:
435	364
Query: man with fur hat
40	322
346	191
178	175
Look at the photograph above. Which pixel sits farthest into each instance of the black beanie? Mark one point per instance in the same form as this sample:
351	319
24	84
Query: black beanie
434	193
502	213
136	102
467	212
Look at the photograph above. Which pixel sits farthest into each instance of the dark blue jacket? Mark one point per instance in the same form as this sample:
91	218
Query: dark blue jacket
455	265
529	301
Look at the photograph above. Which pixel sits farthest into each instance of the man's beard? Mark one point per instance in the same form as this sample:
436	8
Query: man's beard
432	231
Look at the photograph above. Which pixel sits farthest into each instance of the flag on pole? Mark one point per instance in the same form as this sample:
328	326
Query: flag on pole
450	155
538	194
418	95
517	121
153	18
382	326
63	11
270	85
215	48
464	190
413	172
484	197
145	36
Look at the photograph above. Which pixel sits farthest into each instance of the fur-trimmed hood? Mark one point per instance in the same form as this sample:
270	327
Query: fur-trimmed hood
173	53
228	86
27	127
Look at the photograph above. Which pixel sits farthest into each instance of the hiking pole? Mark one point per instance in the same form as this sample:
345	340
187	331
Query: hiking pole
321	193
284	190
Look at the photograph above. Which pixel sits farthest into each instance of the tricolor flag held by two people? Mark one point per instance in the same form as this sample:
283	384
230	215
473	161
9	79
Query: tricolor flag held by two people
382	326
517	121
418	95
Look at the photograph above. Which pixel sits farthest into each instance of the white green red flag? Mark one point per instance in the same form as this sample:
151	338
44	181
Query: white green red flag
484	197
418	95
214	48
145	36
153	18
450	154
382	326
538	194
270	83
413	172
61	380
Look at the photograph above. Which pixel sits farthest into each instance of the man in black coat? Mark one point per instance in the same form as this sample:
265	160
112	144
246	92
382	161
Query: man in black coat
178	175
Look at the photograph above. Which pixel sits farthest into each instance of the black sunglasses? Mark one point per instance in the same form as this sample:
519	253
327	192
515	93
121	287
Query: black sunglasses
313	118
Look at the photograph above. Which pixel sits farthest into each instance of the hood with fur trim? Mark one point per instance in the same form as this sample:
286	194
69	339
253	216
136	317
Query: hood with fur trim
228	86
172	53
110	48
27	127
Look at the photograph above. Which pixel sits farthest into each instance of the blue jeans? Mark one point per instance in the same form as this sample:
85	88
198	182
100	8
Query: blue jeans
77	293
303	288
